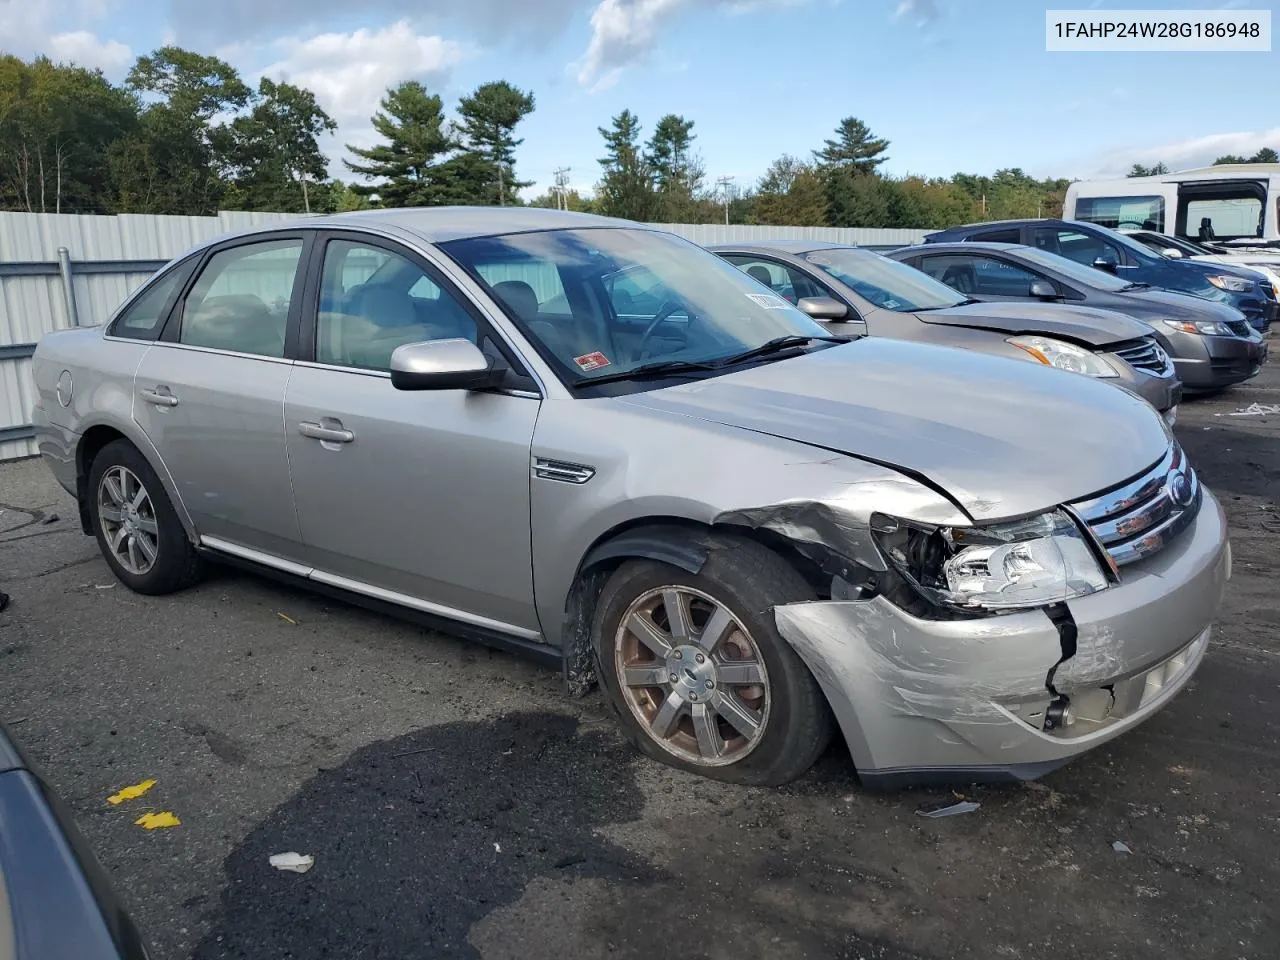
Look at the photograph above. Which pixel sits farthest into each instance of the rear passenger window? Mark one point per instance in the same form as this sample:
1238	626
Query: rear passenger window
1004	235
241	300
143	318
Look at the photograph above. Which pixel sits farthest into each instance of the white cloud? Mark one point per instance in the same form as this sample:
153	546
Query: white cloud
350	72
85	49
1186	154
625	32
920	12
37	27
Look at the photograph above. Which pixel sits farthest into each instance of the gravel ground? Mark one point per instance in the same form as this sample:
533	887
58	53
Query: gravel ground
458	806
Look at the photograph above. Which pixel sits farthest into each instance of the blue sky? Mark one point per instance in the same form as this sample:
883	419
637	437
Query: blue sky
954	85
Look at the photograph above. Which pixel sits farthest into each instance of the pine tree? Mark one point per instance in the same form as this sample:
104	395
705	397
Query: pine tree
407	167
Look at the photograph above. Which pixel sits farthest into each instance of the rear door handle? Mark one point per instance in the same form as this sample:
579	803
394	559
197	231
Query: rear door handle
160	396
331	431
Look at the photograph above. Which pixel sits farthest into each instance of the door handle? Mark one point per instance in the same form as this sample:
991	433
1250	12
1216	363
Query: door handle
160	396
318	431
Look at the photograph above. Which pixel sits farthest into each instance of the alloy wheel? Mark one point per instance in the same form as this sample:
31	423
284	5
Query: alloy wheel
692	675
128	520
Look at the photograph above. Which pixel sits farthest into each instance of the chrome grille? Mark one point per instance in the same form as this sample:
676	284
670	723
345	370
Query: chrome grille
1145	354
1141	517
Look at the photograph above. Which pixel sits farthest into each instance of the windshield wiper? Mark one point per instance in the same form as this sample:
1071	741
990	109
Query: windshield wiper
648	371
1135	286
774	346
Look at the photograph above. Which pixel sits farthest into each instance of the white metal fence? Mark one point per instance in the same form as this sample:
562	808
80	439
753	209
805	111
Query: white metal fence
62	270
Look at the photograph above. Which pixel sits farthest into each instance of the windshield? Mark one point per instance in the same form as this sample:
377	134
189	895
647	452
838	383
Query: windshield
886	283
597	303
1078	272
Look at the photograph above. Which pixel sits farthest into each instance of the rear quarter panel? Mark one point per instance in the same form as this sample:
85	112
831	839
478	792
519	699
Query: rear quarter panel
101	372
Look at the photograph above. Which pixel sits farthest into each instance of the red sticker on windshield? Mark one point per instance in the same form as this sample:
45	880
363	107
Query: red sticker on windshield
591	361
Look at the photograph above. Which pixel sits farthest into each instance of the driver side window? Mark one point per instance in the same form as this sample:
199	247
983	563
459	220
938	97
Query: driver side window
373	300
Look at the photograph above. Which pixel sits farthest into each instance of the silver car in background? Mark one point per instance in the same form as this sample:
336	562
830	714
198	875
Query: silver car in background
854	290
750	533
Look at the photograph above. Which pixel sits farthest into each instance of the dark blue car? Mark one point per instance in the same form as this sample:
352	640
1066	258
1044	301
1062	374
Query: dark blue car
1096	246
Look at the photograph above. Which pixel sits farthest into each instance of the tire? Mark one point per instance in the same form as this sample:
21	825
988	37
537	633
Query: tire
171	563
698	715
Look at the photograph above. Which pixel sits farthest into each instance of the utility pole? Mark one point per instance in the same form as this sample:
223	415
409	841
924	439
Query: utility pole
724	183
561	189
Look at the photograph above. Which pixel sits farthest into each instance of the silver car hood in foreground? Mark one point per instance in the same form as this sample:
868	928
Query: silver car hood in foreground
1002	437
1089	325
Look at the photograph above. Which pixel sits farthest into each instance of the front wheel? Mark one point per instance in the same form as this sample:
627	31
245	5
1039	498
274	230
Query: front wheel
698	674
137	528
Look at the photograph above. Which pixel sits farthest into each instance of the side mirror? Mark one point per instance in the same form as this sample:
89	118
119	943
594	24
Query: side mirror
823	308
442	365
1107	264
1173	253
1043	289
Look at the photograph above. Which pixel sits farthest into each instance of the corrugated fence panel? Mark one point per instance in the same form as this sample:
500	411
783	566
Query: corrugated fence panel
32	305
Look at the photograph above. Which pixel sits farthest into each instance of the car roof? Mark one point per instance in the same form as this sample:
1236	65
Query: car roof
785	246
967	246
1047	221
442	224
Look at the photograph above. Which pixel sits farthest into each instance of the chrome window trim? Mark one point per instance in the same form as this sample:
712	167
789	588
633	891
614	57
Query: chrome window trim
196	348
366	589
386	375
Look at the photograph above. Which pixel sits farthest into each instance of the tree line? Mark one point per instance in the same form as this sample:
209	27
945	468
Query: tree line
1265	155
840	184
185	134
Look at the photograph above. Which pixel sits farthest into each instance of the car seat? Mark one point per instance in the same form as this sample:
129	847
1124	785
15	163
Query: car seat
962	277
1206	229
757	272
238	322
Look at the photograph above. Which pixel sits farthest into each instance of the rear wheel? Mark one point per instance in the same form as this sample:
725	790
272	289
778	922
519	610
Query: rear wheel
136	526
698	673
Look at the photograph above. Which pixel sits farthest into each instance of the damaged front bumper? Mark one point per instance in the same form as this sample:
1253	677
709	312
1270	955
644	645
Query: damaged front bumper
963	700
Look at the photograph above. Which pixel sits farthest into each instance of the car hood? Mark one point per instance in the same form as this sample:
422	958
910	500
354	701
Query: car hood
1179	306
1088	325
1001	437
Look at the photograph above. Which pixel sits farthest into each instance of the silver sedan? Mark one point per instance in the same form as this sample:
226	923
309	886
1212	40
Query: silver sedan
600	444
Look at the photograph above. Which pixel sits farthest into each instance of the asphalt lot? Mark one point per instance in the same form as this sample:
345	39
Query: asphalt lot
459	806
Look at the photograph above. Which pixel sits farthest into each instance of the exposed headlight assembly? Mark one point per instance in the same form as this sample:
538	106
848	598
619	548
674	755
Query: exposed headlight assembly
1064	356
1235	284
1214	328
1031	562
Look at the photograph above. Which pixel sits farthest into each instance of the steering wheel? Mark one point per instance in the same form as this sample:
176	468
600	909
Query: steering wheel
665	312
1130	223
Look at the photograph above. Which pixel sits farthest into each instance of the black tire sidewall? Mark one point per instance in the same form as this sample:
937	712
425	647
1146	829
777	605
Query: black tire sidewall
750	582
174	553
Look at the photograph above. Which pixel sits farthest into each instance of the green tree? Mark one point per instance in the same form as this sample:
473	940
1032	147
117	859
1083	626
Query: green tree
626	187
856	199
56	124
176	161
1265	155
791	193
1138	170
677	173
406	169
573	201
275	151
490	116
854	147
